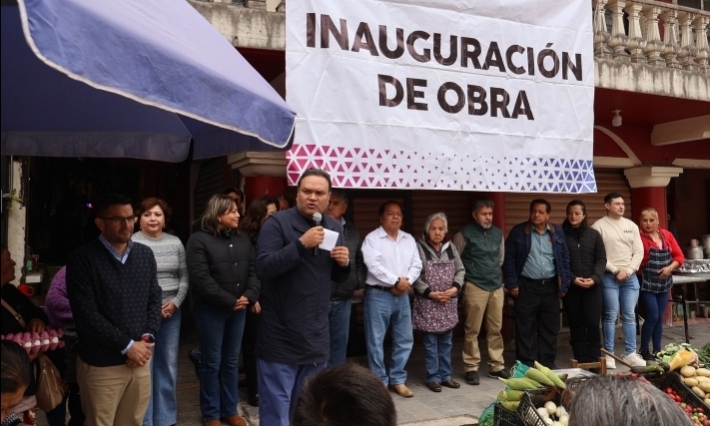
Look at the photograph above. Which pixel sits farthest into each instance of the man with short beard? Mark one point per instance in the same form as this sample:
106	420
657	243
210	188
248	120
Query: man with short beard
481	246
113	291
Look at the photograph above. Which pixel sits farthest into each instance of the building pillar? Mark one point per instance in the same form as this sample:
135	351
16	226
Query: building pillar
498	210
648	189
257	186
264	173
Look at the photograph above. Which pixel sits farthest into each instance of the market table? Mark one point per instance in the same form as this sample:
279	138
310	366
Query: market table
683	281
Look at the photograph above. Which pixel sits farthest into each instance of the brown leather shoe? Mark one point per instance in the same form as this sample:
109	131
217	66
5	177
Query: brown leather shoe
434	386
401	390
214	422
451	383
235	420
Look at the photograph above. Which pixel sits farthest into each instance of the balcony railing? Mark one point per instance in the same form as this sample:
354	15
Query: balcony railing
652	32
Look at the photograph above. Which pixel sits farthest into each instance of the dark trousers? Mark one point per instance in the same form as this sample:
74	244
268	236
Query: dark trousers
652	330
584	311
251	328
537	321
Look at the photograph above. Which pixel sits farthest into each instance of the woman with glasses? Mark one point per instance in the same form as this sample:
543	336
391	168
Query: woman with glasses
154	215
221	267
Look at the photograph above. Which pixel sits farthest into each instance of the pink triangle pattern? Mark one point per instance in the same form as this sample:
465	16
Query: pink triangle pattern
356	167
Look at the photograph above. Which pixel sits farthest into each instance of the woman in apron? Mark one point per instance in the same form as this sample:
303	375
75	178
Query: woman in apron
661	256
436	290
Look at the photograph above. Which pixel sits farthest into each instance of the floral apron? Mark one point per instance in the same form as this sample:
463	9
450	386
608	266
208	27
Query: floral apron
431	316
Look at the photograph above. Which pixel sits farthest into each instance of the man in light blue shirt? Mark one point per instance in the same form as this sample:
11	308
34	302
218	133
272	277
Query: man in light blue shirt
393	264
536	269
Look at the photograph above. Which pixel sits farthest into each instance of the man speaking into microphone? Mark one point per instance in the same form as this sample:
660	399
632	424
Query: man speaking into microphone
295	273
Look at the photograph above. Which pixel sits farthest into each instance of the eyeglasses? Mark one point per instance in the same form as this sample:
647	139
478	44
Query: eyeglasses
119	220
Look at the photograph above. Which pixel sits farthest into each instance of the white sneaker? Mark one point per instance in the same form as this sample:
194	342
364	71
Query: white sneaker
634	360
610	362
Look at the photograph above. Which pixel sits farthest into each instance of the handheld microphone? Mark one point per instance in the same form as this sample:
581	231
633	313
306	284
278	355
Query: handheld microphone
317	218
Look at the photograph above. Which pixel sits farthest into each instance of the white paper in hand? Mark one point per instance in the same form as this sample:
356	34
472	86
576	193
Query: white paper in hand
330	240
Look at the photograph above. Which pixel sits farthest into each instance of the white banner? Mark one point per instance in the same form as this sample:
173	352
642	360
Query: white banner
478	95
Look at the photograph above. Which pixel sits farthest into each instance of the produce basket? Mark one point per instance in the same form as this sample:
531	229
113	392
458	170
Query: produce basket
674	381
504	417
570	393
534	398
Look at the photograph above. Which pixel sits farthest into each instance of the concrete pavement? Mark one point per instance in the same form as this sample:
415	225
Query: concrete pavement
451	407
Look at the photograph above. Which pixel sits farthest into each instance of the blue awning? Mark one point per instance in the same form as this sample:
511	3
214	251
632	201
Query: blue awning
130	78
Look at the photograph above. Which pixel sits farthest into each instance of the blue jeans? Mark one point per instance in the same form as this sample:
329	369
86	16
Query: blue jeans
655	304
162	408
620	296
383	309
339	316
279	387
437	356
220	332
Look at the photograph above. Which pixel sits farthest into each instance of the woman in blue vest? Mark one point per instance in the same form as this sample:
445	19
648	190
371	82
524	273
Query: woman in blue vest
435	312
661	256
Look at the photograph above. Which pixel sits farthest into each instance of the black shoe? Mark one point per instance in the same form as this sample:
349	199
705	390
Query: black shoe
254	400
472	378
647	355
502	374
195	359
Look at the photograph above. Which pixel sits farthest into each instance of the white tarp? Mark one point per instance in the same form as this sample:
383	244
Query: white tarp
490	95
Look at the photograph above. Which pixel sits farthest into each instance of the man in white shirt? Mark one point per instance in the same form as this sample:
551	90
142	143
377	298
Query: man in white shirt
620	287
393	264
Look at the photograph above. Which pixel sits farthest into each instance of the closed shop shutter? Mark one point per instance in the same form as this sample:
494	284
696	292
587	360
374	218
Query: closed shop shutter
418	206
455	204
517	205
209	182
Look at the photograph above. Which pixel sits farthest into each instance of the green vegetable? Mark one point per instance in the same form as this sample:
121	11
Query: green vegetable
704	354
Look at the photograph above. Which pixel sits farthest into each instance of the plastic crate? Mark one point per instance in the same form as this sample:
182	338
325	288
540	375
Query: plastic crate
504	417
674	381
534	398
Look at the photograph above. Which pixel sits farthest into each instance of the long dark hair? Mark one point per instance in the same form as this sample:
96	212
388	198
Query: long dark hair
566	225
255	215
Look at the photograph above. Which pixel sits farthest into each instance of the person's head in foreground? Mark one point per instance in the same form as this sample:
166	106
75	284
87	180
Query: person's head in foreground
347	395
623	401
16	375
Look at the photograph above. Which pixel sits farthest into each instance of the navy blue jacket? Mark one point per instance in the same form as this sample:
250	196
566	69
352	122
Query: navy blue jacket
517	249
295	291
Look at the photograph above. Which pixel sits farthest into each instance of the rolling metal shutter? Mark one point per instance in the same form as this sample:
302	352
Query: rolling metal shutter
517	205
418	205
209	182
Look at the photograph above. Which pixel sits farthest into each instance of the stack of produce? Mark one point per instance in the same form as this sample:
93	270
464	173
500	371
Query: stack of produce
704	354
671	350
698	380
34	342
535	378
696	414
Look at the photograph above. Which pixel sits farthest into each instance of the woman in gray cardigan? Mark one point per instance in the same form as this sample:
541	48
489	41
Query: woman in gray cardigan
154	214
435	311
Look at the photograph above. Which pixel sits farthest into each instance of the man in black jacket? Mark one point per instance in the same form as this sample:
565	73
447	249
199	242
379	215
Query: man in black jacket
295	274
116	300
341	294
